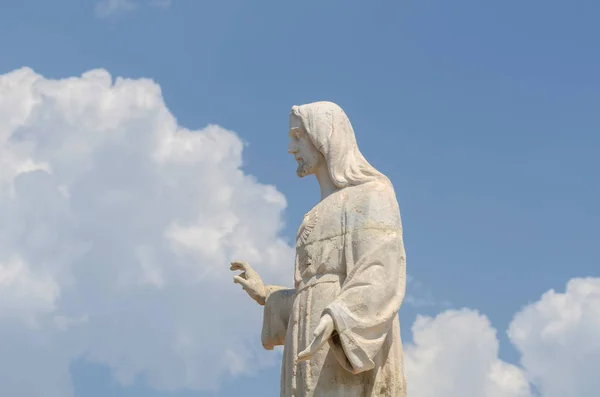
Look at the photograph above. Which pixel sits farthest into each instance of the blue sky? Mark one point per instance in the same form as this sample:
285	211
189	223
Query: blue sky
483	114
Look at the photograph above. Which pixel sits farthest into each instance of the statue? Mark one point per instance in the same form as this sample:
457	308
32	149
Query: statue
339	324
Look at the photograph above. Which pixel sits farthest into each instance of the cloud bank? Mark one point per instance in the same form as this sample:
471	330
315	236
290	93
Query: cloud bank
116	229
558	337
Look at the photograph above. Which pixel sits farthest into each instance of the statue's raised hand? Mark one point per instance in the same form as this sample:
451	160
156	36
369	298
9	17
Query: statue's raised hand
250	281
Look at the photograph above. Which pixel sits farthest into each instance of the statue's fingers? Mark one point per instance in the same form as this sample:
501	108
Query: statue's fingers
319	330
240	265
312	348
238	280
304	355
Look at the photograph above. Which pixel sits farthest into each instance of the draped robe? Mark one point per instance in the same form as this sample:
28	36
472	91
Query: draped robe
350	263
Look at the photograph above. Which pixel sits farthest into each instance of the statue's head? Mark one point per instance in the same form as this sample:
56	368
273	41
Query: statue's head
309	158
321	134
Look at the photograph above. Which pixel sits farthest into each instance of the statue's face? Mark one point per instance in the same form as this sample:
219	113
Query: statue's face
306	154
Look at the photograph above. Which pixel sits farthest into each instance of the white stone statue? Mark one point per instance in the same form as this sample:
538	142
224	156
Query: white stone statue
339	324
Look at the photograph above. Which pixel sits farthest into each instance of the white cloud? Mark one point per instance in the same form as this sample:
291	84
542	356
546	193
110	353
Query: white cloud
24	294
559	340
105	8
116	229
456	353
420	296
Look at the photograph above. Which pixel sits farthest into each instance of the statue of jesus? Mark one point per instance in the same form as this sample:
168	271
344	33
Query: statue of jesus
339	325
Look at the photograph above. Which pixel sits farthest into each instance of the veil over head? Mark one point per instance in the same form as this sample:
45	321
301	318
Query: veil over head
330	131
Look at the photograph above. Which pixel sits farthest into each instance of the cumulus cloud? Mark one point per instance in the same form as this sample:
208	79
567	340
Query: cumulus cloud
559	340
105	8
116	229
456	352
419	296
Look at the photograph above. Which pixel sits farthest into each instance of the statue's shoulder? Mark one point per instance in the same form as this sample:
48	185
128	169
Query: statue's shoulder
371	193
373	204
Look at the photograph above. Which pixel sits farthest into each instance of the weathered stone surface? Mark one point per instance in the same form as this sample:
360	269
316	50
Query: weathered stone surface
339	324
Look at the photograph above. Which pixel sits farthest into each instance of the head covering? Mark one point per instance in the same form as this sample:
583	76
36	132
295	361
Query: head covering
332	134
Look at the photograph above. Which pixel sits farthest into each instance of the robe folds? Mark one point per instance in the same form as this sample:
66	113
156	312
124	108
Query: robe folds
350	263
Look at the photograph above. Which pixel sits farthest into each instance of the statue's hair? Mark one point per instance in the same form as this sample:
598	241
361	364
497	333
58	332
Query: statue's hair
329	129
